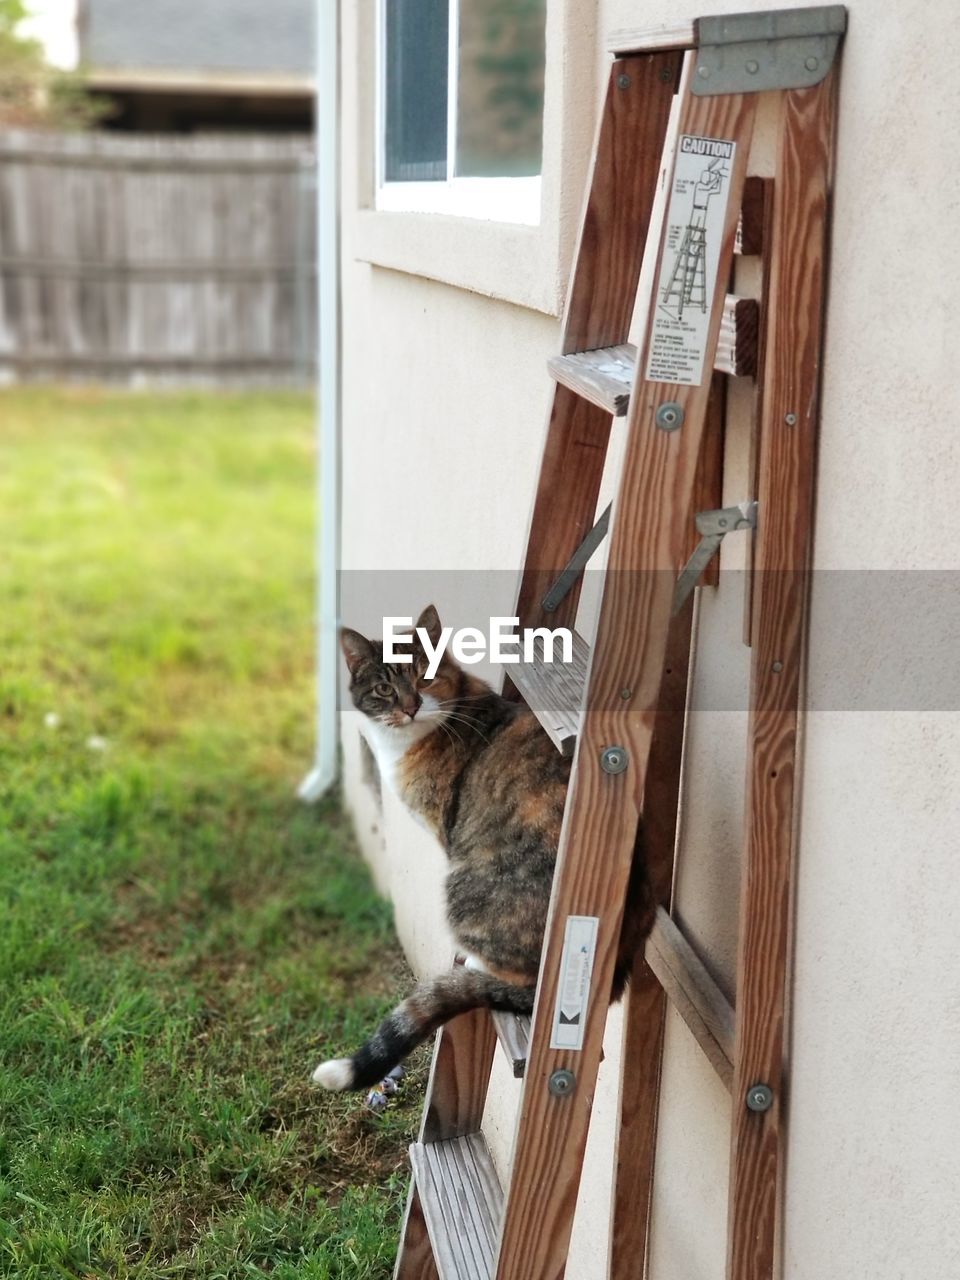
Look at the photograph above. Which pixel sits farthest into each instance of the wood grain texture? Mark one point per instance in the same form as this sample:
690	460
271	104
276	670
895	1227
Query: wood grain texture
709	490
459	1075
605	376
616	218
648	528
645	1001
681	35
166	258
762	224
599	304
693	993
782	559
554	691
415	1256
462	1203
513	1033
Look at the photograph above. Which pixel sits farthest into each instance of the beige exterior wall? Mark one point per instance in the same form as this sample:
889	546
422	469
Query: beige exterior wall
446	329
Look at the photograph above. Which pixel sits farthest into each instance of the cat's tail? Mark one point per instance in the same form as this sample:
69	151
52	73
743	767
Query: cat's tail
431	1004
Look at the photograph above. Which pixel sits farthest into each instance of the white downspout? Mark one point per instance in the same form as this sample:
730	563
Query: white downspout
324	773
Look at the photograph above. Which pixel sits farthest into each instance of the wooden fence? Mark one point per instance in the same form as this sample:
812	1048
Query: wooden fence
157	258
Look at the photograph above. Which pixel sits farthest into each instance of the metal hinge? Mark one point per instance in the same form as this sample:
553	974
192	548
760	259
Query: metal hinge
782	49
713	527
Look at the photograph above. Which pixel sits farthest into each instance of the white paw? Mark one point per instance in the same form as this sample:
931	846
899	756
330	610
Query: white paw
335	1074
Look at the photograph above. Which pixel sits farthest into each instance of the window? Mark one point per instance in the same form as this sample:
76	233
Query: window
461	107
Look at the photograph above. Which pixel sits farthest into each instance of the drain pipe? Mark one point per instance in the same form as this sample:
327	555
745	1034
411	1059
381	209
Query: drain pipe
324	773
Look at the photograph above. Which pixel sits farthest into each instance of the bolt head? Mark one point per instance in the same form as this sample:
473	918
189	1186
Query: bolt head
759	1097
625	693
753	67
812	63
777	666
623	81
790	419
613	760
561	1083
669	416
703	72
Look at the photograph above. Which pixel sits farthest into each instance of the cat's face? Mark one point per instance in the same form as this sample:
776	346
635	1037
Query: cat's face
399	695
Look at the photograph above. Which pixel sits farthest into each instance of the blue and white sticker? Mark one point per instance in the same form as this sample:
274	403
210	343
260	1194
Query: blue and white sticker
576	970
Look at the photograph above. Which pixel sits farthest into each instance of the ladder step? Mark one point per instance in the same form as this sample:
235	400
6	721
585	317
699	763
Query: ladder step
693	993
513	1032
554	691
605	376
462	1204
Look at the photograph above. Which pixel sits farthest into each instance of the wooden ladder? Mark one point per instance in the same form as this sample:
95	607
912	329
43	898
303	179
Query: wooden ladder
619	707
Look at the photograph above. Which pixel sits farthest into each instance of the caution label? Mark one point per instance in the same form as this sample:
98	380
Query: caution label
688	273
576	969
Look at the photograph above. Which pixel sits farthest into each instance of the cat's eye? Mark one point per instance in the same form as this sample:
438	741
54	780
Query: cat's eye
383	690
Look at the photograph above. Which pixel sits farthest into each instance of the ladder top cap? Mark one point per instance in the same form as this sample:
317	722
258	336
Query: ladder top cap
824	22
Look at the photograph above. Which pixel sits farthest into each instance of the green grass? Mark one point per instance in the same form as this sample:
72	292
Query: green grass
180	940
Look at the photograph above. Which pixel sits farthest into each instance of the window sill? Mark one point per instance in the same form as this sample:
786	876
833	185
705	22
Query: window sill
518	264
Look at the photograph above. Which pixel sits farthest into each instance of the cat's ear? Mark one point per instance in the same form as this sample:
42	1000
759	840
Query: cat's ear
429	621
357	649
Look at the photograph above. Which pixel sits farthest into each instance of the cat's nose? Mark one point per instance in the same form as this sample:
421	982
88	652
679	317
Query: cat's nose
412	708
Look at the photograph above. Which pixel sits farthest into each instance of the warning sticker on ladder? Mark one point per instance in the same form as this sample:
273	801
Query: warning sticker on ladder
688	272
576	968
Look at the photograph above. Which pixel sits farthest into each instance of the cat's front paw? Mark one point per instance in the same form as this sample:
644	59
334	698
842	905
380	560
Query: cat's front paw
336	1074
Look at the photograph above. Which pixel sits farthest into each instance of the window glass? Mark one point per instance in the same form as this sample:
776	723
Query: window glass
500	94
415	141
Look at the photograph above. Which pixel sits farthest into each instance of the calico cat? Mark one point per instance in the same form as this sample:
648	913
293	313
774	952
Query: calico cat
485	778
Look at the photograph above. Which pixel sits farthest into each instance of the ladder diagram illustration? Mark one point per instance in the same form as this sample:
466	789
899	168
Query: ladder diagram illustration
688	280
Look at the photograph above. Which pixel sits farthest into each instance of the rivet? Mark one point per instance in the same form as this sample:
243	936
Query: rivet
777	666
623	81
759	1097
561	1083
812	63
722	523
669	416
790	419
625	693
703	72
666	75
753	67
613	759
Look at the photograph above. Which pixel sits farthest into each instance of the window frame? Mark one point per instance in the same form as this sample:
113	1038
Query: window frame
514	200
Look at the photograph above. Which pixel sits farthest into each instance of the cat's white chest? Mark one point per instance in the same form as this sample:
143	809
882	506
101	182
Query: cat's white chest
389	745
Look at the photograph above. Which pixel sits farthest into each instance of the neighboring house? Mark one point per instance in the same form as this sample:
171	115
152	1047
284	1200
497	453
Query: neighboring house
451	297
184	65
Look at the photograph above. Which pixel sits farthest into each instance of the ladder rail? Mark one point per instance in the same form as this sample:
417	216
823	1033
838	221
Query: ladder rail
647	542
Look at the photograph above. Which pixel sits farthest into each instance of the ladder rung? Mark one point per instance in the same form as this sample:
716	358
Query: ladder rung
554	691
605	376
513	1032
462	1204
693	993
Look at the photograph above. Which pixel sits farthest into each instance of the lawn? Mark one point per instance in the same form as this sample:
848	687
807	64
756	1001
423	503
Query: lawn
180	939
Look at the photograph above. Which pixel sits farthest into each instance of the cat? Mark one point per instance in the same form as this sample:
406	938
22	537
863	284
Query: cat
481	773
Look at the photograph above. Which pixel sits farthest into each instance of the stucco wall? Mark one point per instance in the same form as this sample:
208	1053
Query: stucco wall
444	407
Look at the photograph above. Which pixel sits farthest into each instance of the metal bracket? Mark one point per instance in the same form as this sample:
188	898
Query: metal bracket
713	527
782	49
578	562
